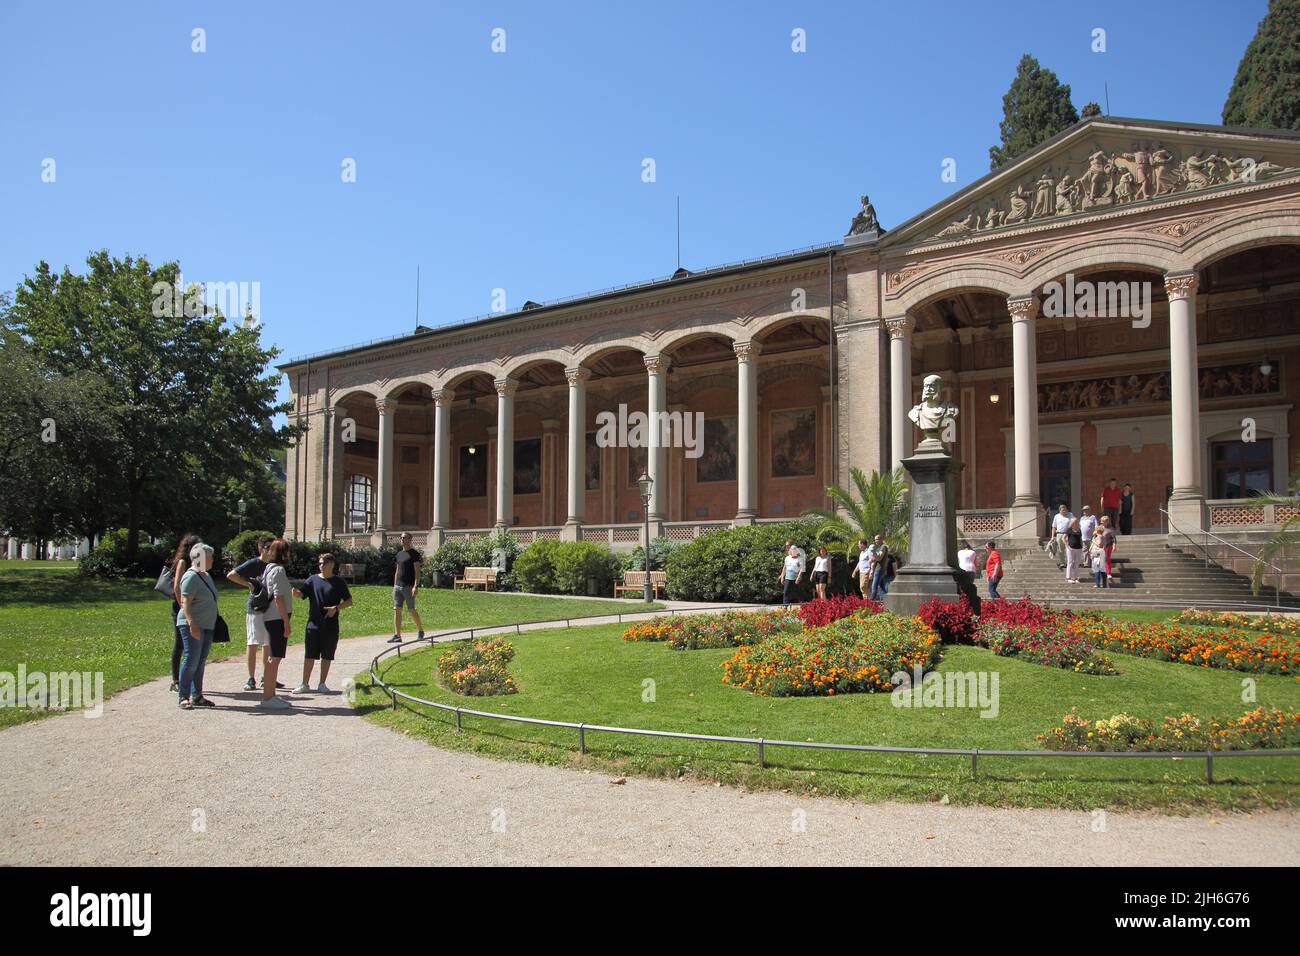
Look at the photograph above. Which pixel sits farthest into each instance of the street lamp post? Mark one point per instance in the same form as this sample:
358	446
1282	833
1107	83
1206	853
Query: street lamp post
243	506
644	484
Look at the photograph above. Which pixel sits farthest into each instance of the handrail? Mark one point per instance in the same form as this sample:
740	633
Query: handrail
761	743
1277	588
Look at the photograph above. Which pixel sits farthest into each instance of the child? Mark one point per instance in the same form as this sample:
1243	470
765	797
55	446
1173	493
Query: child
1098	555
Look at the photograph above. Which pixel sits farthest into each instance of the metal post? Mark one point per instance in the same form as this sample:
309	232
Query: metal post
582	739
457	720
1209	766
645	511
974	763
761	763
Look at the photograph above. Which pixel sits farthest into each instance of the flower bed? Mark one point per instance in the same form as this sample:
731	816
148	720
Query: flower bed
1047	646
692	632
478	669
823	611
953	621
1269	623
856	654
1256	729
1248	651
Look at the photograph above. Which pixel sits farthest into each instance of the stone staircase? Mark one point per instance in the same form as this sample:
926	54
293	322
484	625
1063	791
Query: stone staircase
1147	573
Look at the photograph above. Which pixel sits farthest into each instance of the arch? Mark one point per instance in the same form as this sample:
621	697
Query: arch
594	350
1271	227
731	331
959	277
356	391
392	388
1130	252
523	363
454	376
770	323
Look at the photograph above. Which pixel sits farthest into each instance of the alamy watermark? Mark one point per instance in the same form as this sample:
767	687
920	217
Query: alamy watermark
951	690
1084	299
624	429
243	299
56	690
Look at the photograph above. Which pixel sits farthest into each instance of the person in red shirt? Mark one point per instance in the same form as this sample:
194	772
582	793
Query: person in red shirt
1110	500
993	569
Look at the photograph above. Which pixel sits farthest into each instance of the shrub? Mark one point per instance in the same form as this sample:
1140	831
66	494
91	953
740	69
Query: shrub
580	562
736	564
954	621
478	669
108	559
448	562
535	567
243	546
457	554
693	632
822	611
1258	729
660	549
1023	612
856	654
1059	649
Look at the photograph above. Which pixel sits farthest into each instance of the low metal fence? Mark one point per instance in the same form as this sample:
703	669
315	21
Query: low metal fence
761	744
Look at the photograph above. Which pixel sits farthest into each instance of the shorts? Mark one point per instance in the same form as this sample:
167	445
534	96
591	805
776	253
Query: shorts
255	628
322	639
275	635
821	577
402	594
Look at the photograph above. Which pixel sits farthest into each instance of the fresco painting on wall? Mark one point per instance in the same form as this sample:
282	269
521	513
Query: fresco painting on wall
794	443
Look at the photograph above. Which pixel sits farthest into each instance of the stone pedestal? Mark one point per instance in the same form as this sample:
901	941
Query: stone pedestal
931	570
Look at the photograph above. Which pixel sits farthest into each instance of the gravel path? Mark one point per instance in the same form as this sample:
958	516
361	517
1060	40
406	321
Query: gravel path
148	783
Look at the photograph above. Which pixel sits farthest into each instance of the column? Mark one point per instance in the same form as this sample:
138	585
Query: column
577	457
656	460
506	388
339	420
1187	506
383	491
747	428
442	399
900	388
1026	509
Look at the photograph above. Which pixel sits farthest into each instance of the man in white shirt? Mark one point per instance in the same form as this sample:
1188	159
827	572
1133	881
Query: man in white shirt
1087	524
966	558
1056	544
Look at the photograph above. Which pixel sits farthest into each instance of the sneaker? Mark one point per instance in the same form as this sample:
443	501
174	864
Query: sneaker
203	702
420	636
262	684
185	705
302	689
322	689
175	686
395	639
275	703
250	684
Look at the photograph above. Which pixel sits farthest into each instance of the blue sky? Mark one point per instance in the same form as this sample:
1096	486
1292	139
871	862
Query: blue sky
522	170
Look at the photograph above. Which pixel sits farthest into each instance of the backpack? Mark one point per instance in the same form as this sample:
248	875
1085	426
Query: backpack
259	598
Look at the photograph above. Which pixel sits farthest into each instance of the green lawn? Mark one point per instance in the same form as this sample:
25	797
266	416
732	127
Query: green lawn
591	675
53	620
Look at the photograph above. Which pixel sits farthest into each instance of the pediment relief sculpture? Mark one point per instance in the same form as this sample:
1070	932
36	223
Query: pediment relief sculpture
1110	178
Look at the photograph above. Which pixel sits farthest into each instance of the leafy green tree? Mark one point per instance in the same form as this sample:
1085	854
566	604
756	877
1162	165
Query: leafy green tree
1090	109
188	396
1266	91
875	505
1035	108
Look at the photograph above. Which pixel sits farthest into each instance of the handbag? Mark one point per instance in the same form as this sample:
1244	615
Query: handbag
166	582
220	630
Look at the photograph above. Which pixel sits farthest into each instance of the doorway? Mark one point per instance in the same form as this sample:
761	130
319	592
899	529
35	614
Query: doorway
1054	480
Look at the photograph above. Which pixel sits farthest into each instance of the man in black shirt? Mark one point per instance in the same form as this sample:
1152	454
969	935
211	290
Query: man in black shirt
327	594
406	584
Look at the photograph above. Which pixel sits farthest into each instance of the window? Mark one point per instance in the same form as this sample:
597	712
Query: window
1242	469
361	503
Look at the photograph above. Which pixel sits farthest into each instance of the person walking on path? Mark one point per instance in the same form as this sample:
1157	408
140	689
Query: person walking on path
327	595
249	575
993	569
1056	544
1111	497
180	564
196	621
1107	531
822	571
791	574
1097	555
406	585
1073	551
278	620
1126	511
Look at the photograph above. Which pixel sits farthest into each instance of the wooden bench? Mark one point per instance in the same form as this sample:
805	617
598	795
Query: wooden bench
634	581
476	577
352	572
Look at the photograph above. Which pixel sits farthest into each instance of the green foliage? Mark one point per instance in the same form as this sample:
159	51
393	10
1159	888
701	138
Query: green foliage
1266	91
478	669
579	562
737	564
109	558
660	548
244	545
185	401
1035	108
875	505
535	567
457	554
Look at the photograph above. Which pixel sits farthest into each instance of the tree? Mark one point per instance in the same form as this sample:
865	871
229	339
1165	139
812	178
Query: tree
1266	91
1036	108
188	395
1090	109
878	507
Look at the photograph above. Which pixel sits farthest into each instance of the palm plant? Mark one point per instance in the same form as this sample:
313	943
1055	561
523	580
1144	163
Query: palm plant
875	505
1284	540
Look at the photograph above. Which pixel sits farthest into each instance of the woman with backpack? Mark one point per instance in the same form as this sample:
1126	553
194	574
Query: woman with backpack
277	620
180	562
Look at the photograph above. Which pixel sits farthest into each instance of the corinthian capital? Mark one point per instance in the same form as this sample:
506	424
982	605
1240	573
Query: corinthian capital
1023	308
386	405
901	327
746	351
1180	286
578	375
506	386
657	364
443	396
